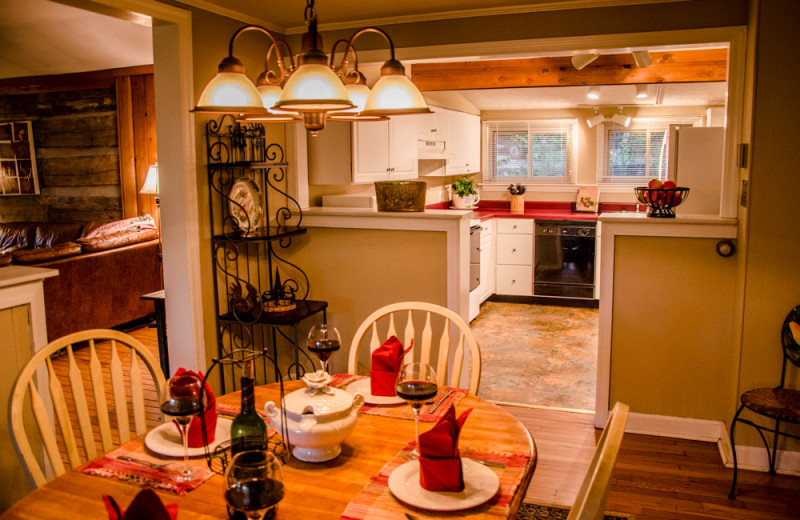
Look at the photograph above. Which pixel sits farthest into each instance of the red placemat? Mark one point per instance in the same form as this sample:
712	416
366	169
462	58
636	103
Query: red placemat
403	411
376	502
165	478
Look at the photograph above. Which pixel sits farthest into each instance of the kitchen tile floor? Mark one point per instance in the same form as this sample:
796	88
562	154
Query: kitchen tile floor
543	355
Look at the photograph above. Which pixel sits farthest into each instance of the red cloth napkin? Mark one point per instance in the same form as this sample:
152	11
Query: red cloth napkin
386	362
196	427
439	460
146	505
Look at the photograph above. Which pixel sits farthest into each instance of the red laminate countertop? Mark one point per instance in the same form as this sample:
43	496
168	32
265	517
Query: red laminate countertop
536	210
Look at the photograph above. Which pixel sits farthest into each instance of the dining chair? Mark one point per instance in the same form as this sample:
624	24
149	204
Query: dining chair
590	503
38	384
434	319
779	404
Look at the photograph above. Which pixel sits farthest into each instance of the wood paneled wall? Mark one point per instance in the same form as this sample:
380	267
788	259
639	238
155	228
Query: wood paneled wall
76	128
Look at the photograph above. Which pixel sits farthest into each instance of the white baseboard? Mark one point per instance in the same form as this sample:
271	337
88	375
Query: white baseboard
750	457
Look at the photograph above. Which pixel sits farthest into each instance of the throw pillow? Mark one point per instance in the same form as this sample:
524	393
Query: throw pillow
112	240
132	224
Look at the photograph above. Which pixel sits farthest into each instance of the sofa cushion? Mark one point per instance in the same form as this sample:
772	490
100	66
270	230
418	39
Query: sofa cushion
112	240
131	224
5	259
17	235
49	234
44	254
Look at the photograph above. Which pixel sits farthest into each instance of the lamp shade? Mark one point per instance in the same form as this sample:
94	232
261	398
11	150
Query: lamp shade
270	94
395	94
150	186
313	88
358	94
230	93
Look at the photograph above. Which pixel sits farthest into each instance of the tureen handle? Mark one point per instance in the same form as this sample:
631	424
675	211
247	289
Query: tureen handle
358	402
271	411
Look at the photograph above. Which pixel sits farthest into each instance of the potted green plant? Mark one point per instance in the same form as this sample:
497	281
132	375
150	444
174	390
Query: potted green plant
465	196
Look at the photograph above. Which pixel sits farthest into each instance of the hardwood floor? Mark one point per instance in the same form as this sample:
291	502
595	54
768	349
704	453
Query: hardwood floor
655	477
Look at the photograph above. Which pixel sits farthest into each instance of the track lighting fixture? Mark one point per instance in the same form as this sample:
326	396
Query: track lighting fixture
642	91
595	120
642	58
594	92
621	119
579	61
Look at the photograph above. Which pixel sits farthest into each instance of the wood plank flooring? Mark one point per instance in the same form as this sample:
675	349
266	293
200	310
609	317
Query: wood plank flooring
655	477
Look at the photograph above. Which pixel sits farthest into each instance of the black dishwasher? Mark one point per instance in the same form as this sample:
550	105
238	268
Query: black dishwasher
564	258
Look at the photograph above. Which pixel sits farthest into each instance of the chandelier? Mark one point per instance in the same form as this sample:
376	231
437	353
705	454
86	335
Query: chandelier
314	90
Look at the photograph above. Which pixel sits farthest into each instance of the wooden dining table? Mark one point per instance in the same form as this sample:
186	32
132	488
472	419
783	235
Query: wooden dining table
318	491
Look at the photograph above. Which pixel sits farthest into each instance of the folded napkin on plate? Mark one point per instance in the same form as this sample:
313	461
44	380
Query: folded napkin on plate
386	362
195	429
439	460
146	505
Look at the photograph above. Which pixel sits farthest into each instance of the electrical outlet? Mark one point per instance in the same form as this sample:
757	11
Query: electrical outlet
447	193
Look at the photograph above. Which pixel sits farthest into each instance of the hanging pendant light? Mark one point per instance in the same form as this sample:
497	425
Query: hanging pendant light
230	91
394	93
358	93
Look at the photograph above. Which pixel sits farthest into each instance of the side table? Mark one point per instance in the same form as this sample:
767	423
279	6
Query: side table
157	298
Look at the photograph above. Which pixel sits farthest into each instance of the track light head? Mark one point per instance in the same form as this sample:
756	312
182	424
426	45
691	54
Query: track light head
594	92
642	58
642	91
579	61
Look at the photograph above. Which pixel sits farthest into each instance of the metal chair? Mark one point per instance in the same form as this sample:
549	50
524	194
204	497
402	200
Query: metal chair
424	340
590	504
39	372
779	403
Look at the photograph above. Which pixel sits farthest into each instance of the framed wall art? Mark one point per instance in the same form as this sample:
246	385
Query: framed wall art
18	174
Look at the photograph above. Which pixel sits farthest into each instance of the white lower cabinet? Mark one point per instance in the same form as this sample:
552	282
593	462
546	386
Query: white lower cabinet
514	260
487	280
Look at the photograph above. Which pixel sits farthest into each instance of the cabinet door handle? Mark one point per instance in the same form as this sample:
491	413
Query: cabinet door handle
514	250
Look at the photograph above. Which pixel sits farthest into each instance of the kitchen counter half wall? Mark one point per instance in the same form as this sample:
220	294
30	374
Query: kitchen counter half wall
537	210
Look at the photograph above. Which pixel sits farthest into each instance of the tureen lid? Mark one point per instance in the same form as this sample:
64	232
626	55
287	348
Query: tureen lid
325	402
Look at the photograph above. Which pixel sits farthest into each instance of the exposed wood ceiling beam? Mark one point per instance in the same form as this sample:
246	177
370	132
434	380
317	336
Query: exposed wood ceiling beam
609	69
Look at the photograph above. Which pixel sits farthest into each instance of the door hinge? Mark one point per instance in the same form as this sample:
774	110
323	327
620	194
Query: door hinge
743	196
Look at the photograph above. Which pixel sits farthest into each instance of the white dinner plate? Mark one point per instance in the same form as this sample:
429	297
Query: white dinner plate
245	204
480	485
165	439
363	387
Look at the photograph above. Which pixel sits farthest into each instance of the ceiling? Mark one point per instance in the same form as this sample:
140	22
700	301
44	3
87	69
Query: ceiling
41	37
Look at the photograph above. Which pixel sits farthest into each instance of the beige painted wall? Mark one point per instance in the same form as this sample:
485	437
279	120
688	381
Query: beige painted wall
358	271
671	350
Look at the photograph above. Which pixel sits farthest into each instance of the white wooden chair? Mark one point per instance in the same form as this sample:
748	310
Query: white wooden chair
423	340
590	503
41	363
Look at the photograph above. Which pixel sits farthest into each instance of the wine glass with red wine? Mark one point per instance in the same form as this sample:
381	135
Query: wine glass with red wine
183	394
323	341
416	385
253	485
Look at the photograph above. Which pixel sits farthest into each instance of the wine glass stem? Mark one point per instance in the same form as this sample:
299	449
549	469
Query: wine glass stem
324	366
185	437
416	430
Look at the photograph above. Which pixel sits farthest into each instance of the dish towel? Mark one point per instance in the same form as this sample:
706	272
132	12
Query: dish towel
210	415
386	362
439	460
146	505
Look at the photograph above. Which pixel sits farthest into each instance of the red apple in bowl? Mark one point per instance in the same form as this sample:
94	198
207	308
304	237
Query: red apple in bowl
655	184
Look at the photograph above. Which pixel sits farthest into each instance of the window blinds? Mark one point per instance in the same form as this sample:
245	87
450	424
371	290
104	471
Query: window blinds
529	151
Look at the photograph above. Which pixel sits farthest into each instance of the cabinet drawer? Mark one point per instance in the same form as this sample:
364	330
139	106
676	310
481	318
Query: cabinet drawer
515	225
515	250
515	280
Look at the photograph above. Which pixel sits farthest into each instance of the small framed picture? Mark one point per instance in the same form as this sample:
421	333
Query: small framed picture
587	200
18	174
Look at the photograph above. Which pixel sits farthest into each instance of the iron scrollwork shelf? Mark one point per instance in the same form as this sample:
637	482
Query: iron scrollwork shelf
259	293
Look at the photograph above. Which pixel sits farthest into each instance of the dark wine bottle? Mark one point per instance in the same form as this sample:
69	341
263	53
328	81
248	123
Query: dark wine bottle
248	430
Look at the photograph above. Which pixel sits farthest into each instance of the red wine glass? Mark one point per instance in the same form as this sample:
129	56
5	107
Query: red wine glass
416	384
183	400
323	340
253	485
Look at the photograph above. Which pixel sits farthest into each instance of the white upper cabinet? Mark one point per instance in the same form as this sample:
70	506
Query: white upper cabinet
385	150
464	142
433	126
361	153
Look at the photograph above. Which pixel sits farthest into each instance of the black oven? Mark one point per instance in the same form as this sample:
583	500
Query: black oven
564	258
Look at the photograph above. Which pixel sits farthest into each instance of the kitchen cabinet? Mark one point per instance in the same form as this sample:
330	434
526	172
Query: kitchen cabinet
433	126
362	153
464	142
514	257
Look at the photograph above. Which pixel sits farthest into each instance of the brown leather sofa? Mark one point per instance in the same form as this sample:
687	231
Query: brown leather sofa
101	278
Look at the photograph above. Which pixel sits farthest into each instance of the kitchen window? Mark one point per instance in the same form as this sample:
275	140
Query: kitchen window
533	151
638	153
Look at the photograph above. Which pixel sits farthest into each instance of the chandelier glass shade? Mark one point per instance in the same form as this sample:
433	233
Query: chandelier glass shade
315	89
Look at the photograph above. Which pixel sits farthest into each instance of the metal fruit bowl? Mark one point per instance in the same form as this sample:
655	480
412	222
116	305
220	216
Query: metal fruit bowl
661	201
